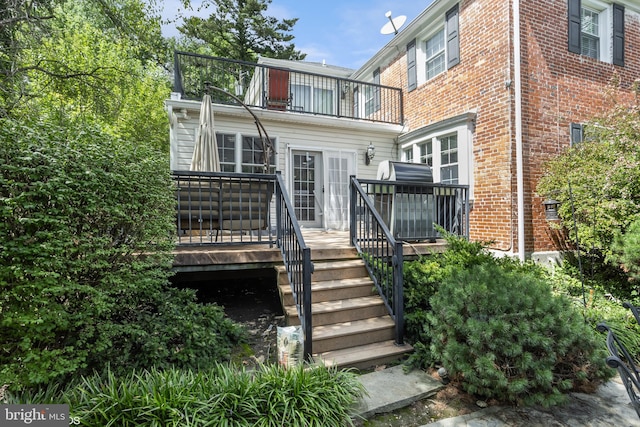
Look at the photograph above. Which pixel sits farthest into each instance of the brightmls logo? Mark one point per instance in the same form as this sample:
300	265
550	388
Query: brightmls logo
34	415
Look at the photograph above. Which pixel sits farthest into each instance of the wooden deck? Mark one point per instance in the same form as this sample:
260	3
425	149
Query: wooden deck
248	257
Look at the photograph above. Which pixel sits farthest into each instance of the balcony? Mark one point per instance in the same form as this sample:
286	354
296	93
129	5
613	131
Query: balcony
285	89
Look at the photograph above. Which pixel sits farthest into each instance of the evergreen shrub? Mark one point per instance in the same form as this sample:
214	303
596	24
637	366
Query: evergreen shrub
506	336
498	327
86	234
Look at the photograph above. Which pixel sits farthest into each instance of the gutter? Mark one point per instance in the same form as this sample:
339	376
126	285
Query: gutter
518	122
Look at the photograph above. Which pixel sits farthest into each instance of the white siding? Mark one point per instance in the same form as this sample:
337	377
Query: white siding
329	134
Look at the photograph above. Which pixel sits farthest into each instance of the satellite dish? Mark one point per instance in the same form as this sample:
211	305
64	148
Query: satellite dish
393	25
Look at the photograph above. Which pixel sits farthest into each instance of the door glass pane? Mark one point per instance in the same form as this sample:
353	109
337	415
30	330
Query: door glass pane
339	167
304	186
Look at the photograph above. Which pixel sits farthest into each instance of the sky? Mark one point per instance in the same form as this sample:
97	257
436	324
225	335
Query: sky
345	33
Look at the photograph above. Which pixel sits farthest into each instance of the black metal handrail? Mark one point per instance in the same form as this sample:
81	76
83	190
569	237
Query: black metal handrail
621	360
297	261
412	210
218	208
381	252
285	89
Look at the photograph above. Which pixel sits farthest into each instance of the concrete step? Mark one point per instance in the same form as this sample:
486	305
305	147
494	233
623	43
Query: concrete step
365	356
328	312
329	290
351	334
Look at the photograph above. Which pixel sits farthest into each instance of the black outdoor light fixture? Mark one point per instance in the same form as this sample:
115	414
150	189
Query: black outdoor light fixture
551	209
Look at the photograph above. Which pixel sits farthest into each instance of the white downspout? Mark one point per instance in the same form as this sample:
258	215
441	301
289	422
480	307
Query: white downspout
518	119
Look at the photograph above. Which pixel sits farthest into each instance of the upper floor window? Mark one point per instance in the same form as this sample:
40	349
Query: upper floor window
437	51
590	38
434	49
596	29
372	95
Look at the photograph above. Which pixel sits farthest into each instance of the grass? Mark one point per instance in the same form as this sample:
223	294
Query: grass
224	395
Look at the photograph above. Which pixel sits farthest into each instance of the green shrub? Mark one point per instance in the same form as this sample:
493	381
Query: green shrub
222	396
598	305
422	279
504	335
86	233
626	249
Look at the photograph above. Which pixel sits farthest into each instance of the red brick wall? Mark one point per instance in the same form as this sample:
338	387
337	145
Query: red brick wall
558	88
476	83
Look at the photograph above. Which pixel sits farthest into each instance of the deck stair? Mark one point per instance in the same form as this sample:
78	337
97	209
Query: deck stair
351	325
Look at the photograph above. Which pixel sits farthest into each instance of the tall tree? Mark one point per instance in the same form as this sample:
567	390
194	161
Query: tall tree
119	88
22	24
26	26
239	29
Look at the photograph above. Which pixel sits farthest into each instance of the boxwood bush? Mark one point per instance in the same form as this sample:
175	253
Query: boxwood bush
86	233
499	329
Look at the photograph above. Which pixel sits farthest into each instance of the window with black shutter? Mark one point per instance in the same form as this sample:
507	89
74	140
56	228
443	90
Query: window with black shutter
575	31
577	133
589	30
412	72
618	34
453	37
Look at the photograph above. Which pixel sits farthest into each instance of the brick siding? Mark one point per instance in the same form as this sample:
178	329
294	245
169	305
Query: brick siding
559	88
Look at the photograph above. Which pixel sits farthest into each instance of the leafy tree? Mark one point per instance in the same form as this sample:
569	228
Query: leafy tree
603	174
117	90
22	24
86	225
239	29
32	27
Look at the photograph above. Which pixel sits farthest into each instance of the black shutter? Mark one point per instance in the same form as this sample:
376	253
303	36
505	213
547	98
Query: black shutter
376	93
412	72
576	133
453	37
574	26
618	34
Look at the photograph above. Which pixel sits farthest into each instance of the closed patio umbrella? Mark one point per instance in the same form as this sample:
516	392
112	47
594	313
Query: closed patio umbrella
205	152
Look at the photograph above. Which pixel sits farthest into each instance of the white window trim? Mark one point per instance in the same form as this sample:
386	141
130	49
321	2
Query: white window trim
421	52
464	131
605	22
237	153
